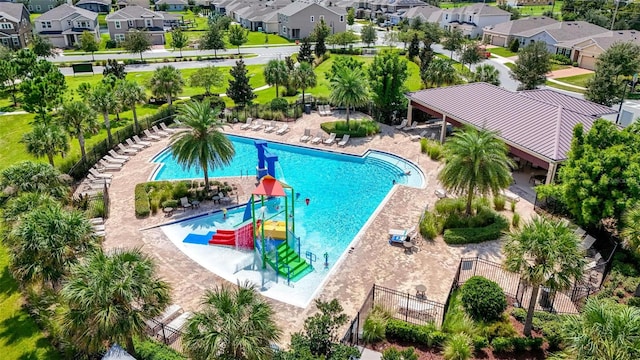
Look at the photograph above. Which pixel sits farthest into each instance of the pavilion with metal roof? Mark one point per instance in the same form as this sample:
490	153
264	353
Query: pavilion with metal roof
537	125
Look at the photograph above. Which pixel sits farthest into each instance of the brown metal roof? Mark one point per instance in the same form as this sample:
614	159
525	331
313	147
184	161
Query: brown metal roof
541	128
569	102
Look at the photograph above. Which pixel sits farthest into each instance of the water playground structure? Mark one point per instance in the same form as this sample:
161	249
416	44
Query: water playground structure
268	223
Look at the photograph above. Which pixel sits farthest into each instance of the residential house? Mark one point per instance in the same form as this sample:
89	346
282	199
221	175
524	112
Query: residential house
124	3
40	6
64	25
297	20
585	51
171	5
171	20
560	32
15	26
98	6
503	34
261	16
524	2
472	19
387	9
426	13
136	18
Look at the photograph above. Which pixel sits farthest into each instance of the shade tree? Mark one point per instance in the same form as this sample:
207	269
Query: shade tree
532	66
387	75
237	36
207	77
137	42
239	89
89	43
166	82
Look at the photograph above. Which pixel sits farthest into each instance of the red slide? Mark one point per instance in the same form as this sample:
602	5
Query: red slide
223	237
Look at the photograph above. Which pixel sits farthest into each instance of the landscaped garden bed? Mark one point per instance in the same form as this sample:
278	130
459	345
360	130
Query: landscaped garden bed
154	195
355	128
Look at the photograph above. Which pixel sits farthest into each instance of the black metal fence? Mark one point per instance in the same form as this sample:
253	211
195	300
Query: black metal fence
165	334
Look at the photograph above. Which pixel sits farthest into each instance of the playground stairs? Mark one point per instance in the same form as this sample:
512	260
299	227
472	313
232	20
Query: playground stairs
288	257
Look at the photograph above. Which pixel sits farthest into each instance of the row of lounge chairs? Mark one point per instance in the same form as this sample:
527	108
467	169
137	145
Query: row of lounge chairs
403	125
97	225
319	138
325	110
267	126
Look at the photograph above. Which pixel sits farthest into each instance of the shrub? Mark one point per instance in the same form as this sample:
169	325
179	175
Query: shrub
634	301
141	199
476	235
519	314
534	343
449	206
170	203
513	206
498	329
96	208
483	299
519	344
435	150
419	334
153	350
154	205
561	59
430	226
498	202
279	104
393	353
457	347
514	46
179	190
502	344
374	328
554	333
110	44
424	145
515	220
480	342
356	128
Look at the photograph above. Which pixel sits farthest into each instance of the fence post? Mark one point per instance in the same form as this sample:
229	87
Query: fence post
475	267
406	314
164	336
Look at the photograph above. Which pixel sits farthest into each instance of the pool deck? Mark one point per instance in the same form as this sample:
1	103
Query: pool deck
372	260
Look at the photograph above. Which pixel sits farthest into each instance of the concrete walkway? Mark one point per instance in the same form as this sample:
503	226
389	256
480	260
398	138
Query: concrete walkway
372	259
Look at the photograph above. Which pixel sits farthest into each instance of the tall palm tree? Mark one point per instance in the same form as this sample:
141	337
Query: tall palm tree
103	100
235	323
631	228
604	331
487	73
276	72
79	119
349	88
47	241
166	82
108	297
304	77
545	253
46	140
131	94
201	143
475	162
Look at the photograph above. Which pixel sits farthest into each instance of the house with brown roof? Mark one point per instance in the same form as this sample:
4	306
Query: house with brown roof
536	125
15	25
585	51
64	25
502	34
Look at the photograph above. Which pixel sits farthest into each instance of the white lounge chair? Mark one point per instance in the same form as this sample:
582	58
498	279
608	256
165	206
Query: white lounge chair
112	160
134	145
139	141
170	313
330	139
440	193
97	174
158	131
167	129
307	135
402	124
321	110
283	129
344	141
96	221
94	186
418	137
98	180
327	110
177	323
98	227
185	204
150	136
99	234
587	242
510	195
595	262
110	167
317	139
268	127
246	125
257	125
413	126
128	150
115	155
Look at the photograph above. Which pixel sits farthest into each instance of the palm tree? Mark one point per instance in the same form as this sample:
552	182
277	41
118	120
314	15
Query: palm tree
440	71
475	162
631	228
47	241
201	143
167	82
604	331
131	94
79	119
46	140
103	100
487	73
545	253
349	88
304	77
236	323
276	73
23	203
29	176
108	297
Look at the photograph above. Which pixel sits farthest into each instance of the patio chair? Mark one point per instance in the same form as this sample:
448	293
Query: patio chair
317	139
97	174
175	325
110	167
246	125
257	125
327	110
139	141
344	141
440	193
97	227
321	110
94	186
587	242
269	127
98	180
170	313
184	203
402	124
307	135
115	155
418	137
134	145
96	221
159	132
580	232
128	150
413	126
150	136
283	129
112	160
330	139
167	129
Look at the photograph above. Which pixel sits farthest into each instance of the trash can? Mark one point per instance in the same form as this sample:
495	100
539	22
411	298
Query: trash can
545	297
307	109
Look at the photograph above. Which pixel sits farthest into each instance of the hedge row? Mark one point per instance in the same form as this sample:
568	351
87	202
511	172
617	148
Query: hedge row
517	344
153	350
142	201
476	235
356	128
419	334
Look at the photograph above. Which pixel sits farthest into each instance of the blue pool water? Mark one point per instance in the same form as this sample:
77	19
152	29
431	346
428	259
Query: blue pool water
343	190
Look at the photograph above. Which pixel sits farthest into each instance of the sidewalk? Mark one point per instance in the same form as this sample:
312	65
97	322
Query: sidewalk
551	77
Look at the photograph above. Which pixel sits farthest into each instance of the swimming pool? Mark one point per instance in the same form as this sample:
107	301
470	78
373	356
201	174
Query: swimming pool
343	192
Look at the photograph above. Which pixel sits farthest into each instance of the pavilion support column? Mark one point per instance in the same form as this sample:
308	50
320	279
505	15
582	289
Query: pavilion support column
443	130
551	173
409	114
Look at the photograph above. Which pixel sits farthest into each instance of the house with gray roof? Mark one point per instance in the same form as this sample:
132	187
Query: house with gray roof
559	32
64	25
372	9
98	6
298	19
473	18
502	34
15	25
124	3
171	5
585	51
258	16
132	18
426	13
40	6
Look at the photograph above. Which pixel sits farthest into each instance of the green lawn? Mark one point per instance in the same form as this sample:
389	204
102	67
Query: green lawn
524	10
33	17
500	51
102	22
253	39
562	87
578	80
511	66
